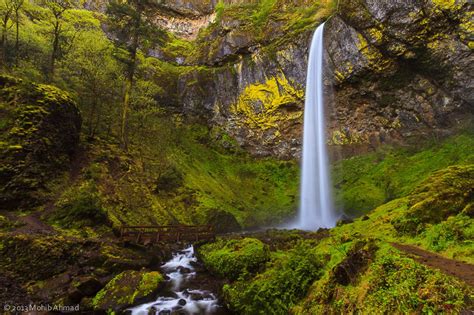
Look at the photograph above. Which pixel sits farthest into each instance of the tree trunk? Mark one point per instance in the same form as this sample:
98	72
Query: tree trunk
17	39
129	84
54	52
4	42
126	101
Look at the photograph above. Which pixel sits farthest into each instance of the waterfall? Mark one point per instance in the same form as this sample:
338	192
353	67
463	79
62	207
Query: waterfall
316	207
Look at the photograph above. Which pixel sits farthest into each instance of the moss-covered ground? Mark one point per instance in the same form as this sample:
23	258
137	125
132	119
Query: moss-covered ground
367	181
355	269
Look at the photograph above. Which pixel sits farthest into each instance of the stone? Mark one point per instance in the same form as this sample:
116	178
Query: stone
87	285
126	289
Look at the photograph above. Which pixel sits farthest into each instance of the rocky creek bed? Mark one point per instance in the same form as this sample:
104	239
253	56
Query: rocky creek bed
187	290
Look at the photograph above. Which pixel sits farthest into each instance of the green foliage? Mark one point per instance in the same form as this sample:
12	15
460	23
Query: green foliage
446	192
367	181
398	284
456	231
262	12
255	191
277	289
93	75
235	258
80	206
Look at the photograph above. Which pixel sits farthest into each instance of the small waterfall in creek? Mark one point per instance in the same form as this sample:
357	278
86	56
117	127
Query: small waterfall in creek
180	298
316	207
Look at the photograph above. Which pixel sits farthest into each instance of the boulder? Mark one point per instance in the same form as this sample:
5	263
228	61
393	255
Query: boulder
39	133
126	289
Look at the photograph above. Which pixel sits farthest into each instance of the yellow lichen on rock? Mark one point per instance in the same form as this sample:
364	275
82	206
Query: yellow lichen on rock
376	35
448	4
374	57
345	72
342	137
265	105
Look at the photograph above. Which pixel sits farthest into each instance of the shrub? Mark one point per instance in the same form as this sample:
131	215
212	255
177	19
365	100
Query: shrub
232	259
280	287
80	206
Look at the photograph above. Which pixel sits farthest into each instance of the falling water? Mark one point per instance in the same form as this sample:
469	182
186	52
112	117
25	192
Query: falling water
180	298
316	208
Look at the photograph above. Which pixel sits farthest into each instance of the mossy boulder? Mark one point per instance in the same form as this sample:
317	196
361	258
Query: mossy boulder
232	259
445	193
126	289
40	127
222	221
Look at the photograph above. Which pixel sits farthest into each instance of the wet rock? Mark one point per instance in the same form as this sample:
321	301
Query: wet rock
344	221
53	288
183	270
182	302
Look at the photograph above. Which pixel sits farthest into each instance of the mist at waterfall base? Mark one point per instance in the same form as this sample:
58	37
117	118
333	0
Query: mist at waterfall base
316	203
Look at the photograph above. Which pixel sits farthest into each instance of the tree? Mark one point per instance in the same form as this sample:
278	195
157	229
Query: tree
17	5
94	75
6	10
57	9
133	30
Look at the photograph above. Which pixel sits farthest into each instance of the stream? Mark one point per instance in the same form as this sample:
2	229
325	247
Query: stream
180	295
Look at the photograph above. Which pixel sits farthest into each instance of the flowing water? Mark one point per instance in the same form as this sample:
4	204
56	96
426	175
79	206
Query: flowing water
181	297
316	205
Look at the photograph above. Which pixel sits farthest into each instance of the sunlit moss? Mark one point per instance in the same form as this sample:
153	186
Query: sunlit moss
262	105
125	288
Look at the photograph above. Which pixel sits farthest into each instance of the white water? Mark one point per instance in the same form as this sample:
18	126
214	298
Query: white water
183	300
316	207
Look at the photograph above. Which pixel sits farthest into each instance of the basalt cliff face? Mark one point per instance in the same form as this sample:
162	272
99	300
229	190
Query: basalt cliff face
399	69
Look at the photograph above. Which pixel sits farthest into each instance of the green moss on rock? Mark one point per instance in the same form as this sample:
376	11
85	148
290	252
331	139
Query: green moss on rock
445	193
126	289
235	258
40	130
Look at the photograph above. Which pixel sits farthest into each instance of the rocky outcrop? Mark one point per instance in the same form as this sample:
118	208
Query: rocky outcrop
40	128
401	69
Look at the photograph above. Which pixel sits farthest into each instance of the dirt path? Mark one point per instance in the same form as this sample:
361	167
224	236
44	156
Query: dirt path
451	267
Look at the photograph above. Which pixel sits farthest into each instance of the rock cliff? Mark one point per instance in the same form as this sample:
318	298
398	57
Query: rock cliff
400	69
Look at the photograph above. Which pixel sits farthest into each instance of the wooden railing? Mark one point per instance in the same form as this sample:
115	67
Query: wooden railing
166	233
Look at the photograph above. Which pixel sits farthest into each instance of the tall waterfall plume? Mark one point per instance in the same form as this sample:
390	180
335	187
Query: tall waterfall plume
316	205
